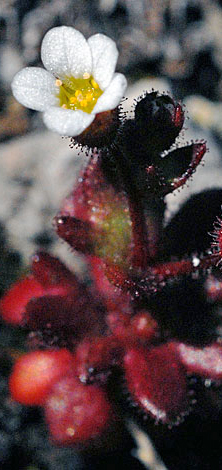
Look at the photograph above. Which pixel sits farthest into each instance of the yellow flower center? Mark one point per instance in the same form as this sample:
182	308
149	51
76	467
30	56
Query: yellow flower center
78	93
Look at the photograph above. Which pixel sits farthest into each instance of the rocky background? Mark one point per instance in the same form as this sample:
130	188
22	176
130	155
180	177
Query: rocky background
168	45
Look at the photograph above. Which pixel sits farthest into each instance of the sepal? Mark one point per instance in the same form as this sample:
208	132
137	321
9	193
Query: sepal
102	130
180	164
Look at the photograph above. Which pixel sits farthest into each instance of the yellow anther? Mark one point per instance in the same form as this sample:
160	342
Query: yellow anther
77	93
73	100
58	82
84	103
89	96
94	84
86	75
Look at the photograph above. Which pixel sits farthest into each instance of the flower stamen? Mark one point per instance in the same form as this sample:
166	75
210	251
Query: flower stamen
94	84
78	93
73	100
86	75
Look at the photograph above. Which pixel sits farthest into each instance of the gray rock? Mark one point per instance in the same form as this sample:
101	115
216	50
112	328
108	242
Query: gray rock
36	173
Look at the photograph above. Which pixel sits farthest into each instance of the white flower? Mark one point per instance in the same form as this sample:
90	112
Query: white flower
79	80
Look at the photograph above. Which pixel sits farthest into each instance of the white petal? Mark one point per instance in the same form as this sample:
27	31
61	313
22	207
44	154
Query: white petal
105	55
112	95
35	88
65	52
66	121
